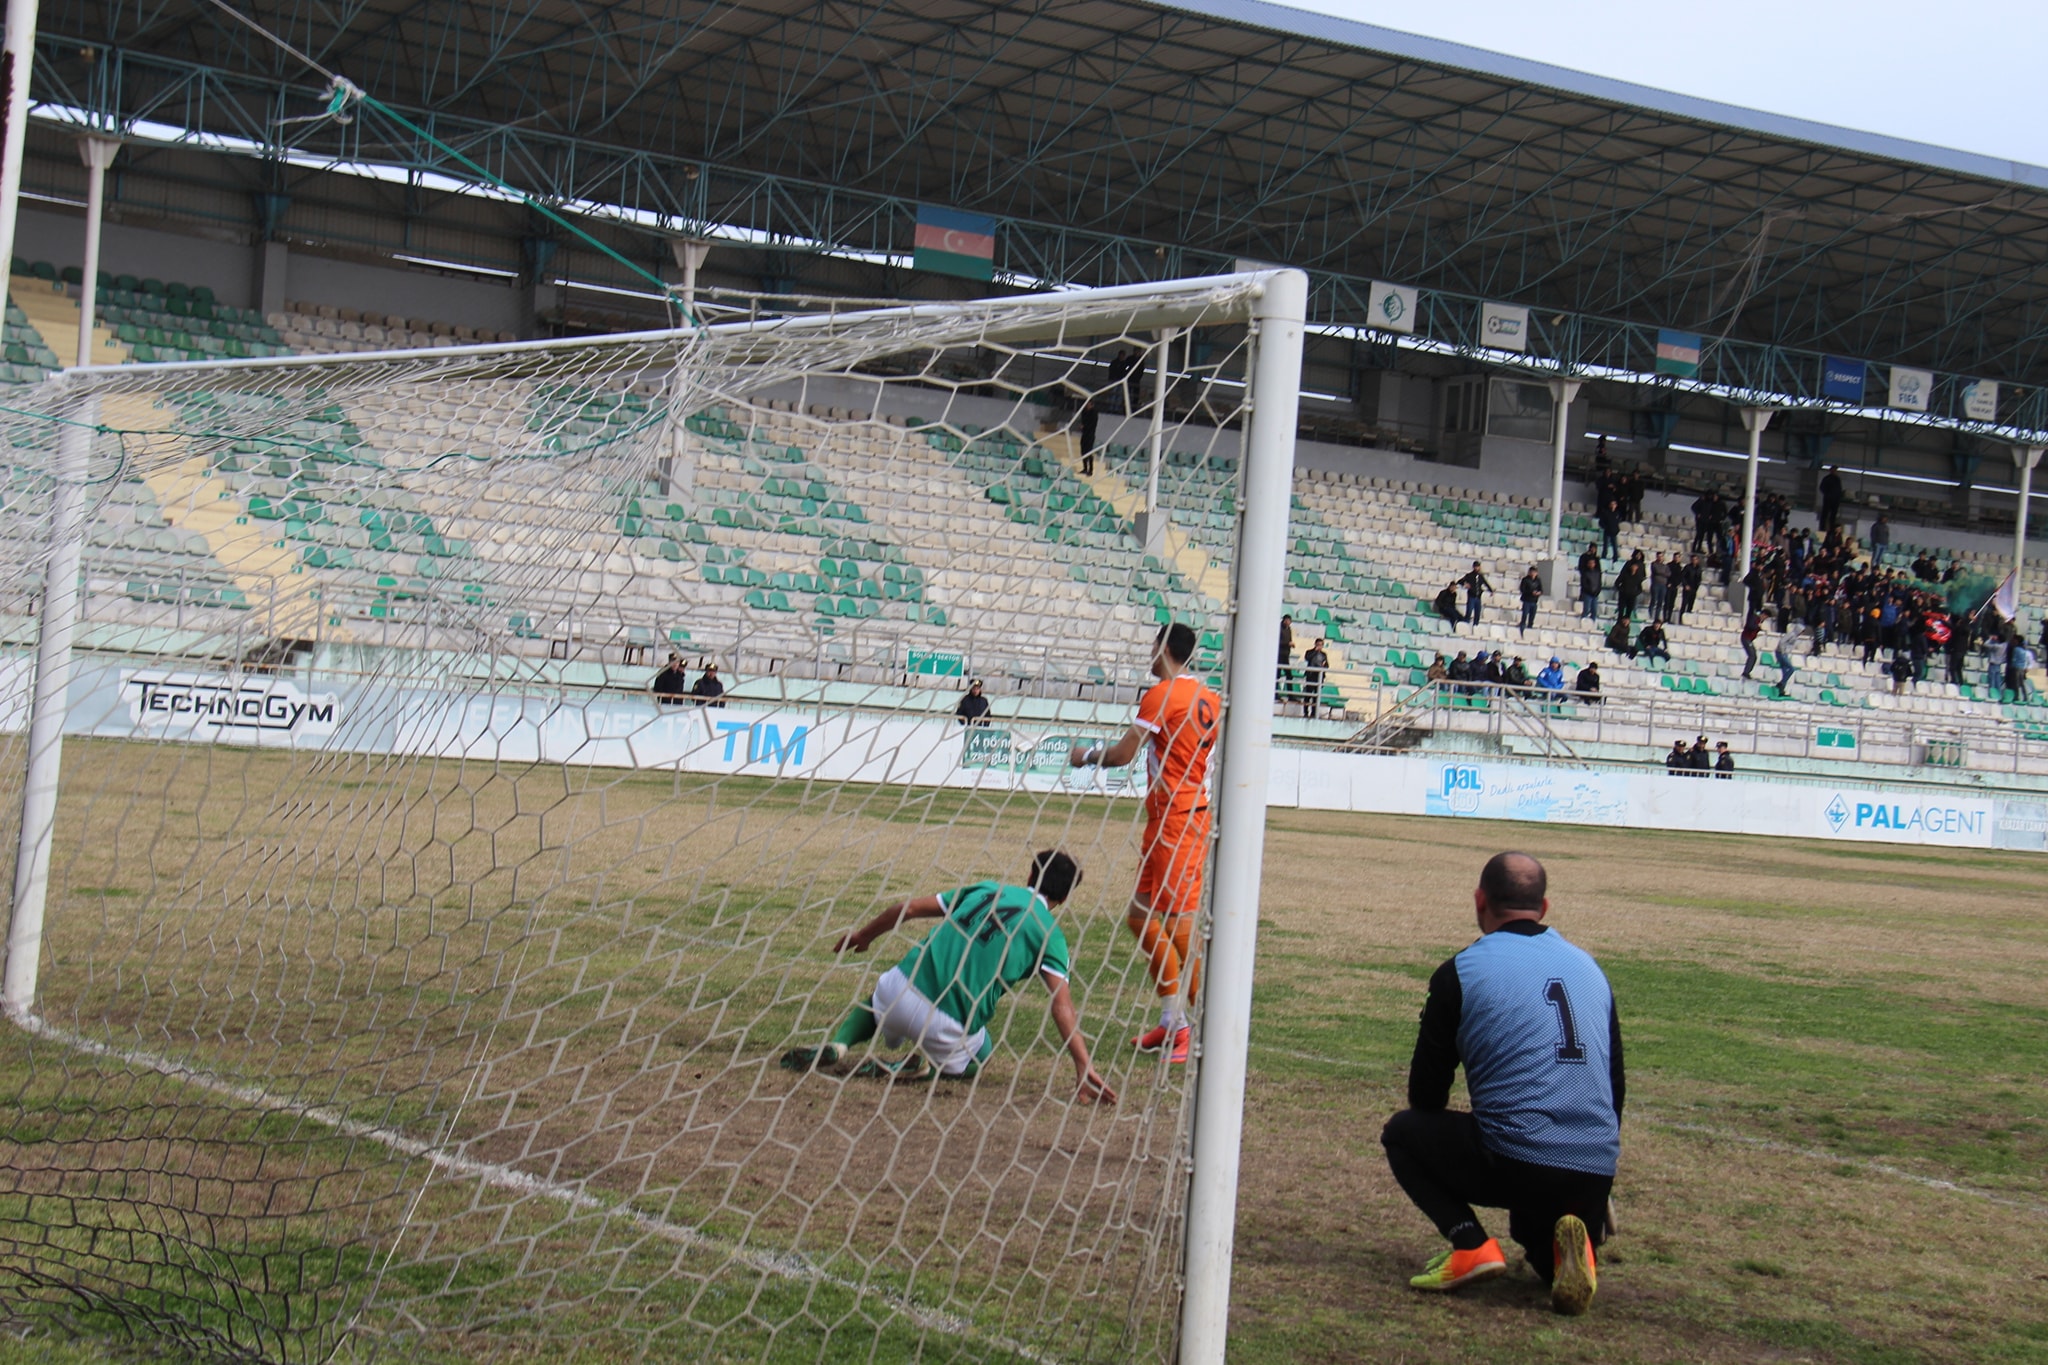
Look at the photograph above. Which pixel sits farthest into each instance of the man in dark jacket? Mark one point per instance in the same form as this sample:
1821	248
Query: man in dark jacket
709	691
672	684
1284	678
1660	588
1689	579
1651	643
1830	498
1589	584
1610	530
973	707
1699	760
1724	762
1446	605
1531	590
1476	587
1587	684
1618	637
1628	584
1315	665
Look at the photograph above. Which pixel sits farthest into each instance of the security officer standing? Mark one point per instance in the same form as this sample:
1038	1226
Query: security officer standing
1532	1019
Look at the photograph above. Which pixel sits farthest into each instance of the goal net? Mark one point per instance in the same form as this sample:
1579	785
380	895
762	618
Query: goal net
422	942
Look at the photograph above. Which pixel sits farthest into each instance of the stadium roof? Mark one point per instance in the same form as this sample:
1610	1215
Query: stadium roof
1226	127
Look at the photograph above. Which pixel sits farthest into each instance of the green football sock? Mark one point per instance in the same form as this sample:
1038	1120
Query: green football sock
856	1028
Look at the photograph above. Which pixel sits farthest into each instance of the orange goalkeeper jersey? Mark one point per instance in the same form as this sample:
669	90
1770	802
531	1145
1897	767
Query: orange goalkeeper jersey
1180	714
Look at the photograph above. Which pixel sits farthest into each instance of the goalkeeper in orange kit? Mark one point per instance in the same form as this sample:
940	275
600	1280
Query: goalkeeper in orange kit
1176	727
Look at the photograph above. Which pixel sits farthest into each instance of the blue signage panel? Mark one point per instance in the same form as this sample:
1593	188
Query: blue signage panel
1841	379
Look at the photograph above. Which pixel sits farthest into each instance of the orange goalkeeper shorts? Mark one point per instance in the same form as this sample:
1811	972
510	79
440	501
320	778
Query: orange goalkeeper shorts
1170	873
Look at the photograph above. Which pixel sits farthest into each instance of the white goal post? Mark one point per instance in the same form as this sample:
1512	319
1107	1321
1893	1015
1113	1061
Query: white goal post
384	919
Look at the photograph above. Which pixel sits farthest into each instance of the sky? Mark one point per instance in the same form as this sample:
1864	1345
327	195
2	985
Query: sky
1964	74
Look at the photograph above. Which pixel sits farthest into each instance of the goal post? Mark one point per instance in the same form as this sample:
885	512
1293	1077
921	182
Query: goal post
1281	312
472	759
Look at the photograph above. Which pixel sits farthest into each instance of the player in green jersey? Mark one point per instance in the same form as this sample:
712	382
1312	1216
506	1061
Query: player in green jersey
939	998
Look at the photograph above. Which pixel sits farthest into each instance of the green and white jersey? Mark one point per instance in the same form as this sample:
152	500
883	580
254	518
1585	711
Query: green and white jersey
993	937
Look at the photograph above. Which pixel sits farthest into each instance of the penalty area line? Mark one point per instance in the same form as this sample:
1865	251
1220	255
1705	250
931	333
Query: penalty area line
787	1266
1761	1144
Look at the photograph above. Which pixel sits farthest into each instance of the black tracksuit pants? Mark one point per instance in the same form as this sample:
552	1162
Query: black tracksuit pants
1439	1160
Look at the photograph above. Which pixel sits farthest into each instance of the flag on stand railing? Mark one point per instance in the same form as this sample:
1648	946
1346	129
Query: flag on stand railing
954	243
1678	353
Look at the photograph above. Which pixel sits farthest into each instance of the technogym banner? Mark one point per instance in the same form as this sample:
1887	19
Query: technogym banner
236	709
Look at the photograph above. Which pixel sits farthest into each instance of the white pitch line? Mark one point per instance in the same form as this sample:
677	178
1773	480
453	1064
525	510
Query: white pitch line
1762	1144
784	1266
1863	1163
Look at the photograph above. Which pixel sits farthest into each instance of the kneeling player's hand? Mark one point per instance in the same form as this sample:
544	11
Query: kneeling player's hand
850	942
1077	756
1094	1090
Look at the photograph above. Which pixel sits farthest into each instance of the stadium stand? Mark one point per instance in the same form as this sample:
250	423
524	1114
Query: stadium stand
778	544
325	329
28	358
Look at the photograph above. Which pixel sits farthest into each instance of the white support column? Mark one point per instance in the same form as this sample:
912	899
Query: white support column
689	253
1241	819
677	466
1755	419
97	153
49	707
1562	392
20	60
2026	459
1153	532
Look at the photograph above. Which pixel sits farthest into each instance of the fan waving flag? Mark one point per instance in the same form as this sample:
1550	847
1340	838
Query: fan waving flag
2006	601
954	243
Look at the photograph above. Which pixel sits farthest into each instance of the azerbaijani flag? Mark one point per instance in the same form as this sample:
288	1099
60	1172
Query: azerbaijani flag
954	243
1678	353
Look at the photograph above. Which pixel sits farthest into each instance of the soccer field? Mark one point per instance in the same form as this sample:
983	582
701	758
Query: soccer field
1834	1148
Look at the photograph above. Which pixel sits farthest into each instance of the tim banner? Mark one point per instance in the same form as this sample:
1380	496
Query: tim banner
1980	400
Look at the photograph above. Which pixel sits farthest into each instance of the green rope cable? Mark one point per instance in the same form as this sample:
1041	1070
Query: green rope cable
346	91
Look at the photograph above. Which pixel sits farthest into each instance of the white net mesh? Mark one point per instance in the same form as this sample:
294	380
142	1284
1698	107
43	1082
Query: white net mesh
415	975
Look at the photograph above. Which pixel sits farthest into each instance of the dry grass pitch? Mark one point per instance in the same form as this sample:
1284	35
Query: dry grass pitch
1834	1149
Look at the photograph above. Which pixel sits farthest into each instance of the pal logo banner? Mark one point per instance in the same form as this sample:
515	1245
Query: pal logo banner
1393	307
1513	792
1911	389
1891	817
950	242
1503	326
1980	400
1841	380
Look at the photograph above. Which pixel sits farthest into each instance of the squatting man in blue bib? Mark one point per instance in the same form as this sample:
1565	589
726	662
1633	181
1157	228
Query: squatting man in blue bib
1532	1020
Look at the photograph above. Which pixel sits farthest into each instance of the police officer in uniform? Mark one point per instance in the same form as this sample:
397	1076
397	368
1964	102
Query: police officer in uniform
1532	1020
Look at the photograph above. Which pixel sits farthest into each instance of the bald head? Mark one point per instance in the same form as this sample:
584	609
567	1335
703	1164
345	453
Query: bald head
1513	885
